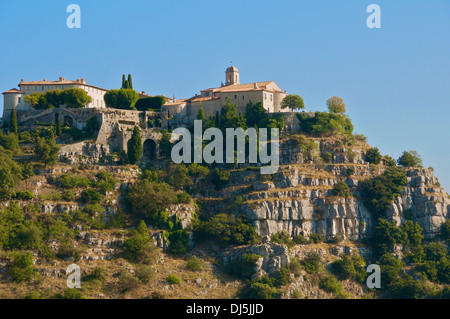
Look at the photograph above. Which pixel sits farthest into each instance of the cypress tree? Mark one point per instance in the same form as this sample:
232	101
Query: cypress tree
13	123
201	113
130	82
134	146
123	81
58	126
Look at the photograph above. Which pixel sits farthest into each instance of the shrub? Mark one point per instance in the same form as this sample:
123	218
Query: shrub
150	103
66	250
350	171
258	290
139	248
144	273
26	195
178	241
373	156
173	279
295	267
282	238
73	181
331	284
300	240
220	177
445	230
226	229
390	269
325	124
71	293
343	268
183	198
336	239
193	263
127	281
312	262
408	288
21	268
98	273
90	196
410	159
316	238
341	189
149	199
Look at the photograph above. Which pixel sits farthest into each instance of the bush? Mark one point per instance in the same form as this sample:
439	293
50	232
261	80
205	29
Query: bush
144	273
312	263
373	156
390	269
127	281
98	273
341	189
173	279
331	284
226	229
379	192
150	103
183	198
325	124
258	290
220	177
193	263
90	196
300	240
282	238
295	267
408	288
316	238
139	248
73	181
410	159
178	241
67	250
70	293
343	268
350	171
149	199
336	239
21	268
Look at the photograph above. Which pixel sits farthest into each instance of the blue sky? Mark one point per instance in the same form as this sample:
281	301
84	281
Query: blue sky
394	80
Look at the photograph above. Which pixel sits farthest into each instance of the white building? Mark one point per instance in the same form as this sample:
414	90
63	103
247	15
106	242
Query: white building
13	99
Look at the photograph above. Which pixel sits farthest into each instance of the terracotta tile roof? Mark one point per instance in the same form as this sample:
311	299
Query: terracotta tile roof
13	91
242	87
65	82
202	99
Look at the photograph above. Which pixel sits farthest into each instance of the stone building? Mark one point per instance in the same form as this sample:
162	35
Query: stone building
184	111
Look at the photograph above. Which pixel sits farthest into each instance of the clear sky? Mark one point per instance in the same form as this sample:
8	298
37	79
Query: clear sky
394	80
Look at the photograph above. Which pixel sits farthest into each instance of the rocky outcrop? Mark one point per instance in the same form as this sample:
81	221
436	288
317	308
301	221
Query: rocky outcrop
273	257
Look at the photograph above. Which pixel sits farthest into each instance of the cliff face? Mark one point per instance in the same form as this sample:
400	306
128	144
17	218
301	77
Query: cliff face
298	199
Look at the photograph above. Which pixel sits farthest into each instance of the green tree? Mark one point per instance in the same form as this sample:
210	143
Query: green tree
121	99
130	82
46	150
201	114
410	159
293	101
336	105
13	122
373	156
148	199
256	115
124	82
76	98
134	146
21	268
231	117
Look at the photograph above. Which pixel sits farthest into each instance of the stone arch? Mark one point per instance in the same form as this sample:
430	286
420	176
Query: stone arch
150	150
68	121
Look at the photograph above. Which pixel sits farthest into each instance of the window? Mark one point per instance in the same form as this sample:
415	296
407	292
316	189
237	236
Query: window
42	87
265	96
243	97
19	99
235	97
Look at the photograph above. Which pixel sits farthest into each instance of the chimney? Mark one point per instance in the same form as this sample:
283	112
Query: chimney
83	81
255	85
60	79
173	99
21	80
45	80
